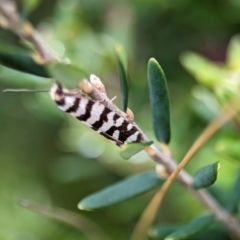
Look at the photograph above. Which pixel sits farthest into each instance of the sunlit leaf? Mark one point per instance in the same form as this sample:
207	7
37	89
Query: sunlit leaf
225	92
121	191
233	53
30	5
130	149
123	74
23	63
206	176
159	101
204	103
195	226
206	72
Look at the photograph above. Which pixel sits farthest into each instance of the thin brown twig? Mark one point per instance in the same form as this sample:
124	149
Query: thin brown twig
150	212
182	176
9	19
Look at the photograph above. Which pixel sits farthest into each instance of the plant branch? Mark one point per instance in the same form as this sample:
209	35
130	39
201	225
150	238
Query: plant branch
170	164
9	19
150	212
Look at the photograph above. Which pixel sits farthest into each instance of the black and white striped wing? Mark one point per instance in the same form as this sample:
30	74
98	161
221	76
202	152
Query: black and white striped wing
95	115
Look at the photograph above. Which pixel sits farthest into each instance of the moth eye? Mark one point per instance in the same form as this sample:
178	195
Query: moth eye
59	90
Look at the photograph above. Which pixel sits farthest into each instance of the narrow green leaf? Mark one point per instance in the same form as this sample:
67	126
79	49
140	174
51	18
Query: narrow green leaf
7	45
206	176
204	71
159	101
23	63
121	191
195	226
81	222
130	149
215	232
123	74
204	103
29	6
159	232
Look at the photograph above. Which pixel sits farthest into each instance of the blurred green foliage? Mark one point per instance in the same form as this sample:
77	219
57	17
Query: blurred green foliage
55	160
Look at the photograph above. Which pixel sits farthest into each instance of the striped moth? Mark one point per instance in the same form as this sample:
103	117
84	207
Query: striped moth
95	115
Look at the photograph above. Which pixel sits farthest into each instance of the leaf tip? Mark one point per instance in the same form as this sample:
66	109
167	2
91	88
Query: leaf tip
206	176
80	206
118	48
218	166
152	60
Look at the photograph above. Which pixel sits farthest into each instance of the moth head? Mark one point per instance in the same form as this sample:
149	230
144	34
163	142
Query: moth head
56	91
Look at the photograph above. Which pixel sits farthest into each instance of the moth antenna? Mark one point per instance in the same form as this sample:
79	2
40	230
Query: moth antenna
113	98
23	90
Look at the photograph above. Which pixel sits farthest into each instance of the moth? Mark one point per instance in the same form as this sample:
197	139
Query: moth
95	115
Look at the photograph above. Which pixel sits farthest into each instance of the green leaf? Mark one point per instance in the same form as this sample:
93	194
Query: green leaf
123	75
206	72
23	63
159	101
233	53
206	176
215	232
130	149
7	45
69	75
121	191
81	222
159	232
195	226
204	103
234	197
29	6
